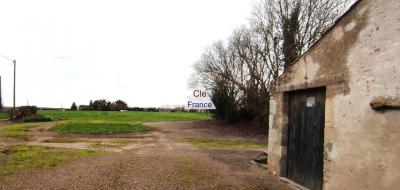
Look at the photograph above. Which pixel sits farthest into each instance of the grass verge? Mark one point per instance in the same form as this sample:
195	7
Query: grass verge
215	143
99	128
4	115
109	116
17	158
16	131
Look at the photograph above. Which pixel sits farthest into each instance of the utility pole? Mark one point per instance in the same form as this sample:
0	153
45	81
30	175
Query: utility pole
15	65
1	100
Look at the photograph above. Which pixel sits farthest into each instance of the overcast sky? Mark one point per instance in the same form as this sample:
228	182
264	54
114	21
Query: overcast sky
139	51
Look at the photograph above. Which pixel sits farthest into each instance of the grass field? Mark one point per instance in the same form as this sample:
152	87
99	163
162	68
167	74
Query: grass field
16	131
16	158
103	123
3	115
97	116
99	128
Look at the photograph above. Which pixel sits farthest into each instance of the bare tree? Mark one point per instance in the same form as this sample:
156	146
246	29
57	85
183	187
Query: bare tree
255	76
217	71
240	73
292	26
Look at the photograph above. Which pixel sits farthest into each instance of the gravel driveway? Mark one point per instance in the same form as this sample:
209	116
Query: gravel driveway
158	160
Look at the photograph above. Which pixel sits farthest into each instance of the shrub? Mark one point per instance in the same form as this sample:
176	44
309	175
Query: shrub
151	110
37	118
135	109
19	113
119	105
29	109
74	107
85	108
101	105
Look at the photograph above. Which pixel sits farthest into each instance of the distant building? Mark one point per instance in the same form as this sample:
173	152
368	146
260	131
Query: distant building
334	115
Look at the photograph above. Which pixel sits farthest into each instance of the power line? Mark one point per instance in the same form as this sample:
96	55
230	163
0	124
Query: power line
5	57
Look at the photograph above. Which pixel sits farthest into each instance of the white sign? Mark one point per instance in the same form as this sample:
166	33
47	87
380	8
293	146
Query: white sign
199	100
310	101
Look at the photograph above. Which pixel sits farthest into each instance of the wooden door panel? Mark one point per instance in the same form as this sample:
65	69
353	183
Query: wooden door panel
306	137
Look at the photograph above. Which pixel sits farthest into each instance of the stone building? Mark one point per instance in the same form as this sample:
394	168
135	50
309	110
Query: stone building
334	114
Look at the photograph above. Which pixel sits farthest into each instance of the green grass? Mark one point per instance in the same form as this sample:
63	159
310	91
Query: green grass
103	123
16	131
4	115
214	143
99	128
97	116
20	157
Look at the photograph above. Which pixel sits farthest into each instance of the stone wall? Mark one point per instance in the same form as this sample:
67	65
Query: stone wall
357	60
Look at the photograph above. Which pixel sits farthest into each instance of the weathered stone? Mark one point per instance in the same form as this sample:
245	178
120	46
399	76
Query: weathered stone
262	158
385	103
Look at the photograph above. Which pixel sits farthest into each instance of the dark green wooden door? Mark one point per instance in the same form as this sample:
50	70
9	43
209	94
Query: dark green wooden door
306	137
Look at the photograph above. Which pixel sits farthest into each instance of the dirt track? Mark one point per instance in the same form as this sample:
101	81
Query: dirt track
159	160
